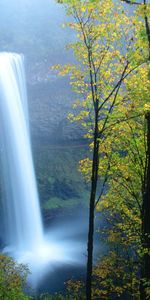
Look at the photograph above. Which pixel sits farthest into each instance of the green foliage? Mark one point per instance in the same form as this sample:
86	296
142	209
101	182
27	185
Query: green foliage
111	46
116	275
76	289
57	297
60	182
12	279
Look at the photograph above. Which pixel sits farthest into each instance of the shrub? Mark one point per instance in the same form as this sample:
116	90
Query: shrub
12	279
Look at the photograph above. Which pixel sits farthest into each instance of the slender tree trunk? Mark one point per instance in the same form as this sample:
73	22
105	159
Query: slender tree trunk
91	210
147	25
145	272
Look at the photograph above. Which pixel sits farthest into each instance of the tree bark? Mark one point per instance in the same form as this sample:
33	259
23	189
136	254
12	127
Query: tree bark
94	179
145	272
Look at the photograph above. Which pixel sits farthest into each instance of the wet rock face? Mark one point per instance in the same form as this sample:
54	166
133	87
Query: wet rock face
50	101
34	28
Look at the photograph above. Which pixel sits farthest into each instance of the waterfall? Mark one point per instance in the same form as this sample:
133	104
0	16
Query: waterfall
23	231
22	218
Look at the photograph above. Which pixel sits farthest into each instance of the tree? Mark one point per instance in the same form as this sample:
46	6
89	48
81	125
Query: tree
124	150
143	12
104	51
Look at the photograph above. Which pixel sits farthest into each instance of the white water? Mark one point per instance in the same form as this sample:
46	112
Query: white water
23	225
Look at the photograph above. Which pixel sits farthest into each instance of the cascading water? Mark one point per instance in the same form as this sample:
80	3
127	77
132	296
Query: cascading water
24	238
23	225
